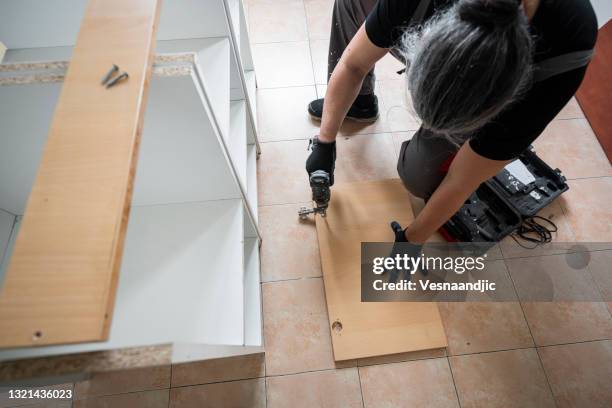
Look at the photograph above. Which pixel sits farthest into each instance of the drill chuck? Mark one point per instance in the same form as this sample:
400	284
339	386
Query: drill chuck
319	183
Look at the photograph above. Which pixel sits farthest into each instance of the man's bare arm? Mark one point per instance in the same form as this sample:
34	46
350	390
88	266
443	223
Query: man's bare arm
467	171
357	60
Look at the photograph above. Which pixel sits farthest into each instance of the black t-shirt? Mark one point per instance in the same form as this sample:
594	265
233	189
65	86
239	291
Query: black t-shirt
558	27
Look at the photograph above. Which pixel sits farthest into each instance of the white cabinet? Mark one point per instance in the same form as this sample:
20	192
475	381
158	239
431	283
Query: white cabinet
190	270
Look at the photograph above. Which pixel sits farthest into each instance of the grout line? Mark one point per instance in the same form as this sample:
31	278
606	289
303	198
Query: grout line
216	382
450	367
552	394
169	397
280	41
265	380
576	342
308	372
287	86
293	279
520	303
360	387
312	69
340	135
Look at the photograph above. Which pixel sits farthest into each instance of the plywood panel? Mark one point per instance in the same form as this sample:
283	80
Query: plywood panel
361	212
61	281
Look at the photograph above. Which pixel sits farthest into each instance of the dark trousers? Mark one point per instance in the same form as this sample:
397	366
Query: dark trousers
423	160
348	17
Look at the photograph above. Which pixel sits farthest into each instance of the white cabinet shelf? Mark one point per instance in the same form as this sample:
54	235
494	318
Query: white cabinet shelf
181	159
237	142
252	176
252	296
190	269
178	280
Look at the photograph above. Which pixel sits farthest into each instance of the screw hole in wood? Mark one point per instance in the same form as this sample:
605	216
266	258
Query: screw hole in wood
337	326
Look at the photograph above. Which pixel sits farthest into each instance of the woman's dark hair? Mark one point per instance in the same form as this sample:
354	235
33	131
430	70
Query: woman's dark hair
468	63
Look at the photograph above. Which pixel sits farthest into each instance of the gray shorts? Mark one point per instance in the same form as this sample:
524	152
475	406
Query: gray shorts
423	162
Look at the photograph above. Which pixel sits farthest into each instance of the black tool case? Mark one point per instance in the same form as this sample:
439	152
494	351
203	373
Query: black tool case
527	200
484	217
499	205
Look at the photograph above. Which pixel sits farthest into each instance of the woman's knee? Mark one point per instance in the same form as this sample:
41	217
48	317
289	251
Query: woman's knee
419	165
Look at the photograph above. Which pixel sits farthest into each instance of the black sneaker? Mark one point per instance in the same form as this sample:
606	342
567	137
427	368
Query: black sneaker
364	109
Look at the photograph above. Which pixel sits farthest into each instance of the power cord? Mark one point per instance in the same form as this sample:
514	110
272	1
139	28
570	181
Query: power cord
533	231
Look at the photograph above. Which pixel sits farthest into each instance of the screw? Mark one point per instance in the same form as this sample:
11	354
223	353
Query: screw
109	74
117	79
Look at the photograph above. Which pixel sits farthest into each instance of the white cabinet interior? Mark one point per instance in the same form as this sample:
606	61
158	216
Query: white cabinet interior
190	270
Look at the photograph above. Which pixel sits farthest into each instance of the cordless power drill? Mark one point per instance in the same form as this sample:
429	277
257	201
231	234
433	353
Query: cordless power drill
320	168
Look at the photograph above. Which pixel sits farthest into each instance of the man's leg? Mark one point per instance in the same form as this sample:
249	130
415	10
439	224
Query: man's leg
347	18
424	161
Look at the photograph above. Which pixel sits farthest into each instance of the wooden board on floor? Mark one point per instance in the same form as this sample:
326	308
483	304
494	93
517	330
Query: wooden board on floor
361	212
61	281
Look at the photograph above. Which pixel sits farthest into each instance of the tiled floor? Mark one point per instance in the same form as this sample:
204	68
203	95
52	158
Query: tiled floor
514	354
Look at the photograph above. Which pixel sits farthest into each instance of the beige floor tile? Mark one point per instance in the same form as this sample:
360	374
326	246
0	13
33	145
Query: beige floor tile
399	114
319	50
587	207
561	240
277	21
401	357
296	327
580	374
387	67
350	127
561	321
599	266
144	399
571	146
218	370
423	383
365	158
289	248
571	111
283	64
117	382
481	324
319	17
501	379
398	139
283	114
234	394
567	322
385	70
475	327
329	389
281	174
561	277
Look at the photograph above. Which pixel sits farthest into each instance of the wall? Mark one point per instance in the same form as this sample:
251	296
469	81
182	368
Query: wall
603	9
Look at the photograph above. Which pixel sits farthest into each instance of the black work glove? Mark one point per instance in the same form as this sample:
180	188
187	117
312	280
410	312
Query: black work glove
322	157
400	247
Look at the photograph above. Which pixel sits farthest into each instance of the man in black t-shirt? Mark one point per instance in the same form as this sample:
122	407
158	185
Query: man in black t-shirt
492	73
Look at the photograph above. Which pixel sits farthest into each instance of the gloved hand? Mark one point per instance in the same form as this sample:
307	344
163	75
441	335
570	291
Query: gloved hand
400	247
322	157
